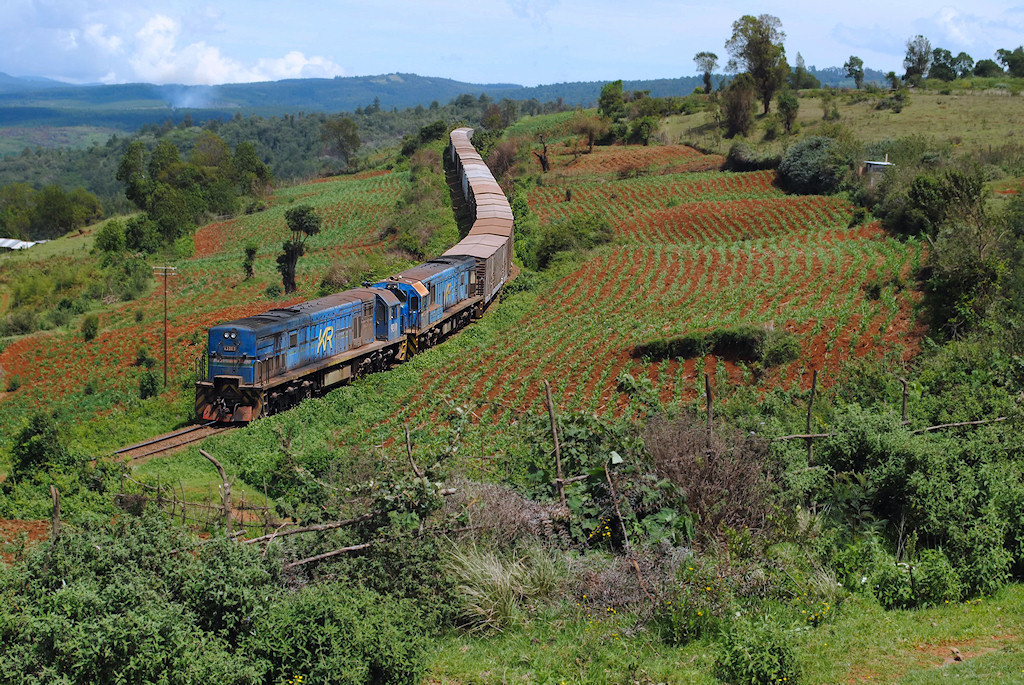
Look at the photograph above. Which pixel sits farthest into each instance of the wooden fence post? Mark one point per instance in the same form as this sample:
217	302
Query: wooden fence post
558	453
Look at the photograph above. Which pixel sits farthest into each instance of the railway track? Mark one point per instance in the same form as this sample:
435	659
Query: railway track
171	441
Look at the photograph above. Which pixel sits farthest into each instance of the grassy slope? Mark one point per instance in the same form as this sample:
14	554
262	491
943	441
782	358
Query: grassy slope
863	644
973	121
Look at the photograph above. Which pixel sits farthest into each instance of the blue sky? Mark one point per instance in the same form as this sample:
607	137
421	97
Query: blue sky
528	42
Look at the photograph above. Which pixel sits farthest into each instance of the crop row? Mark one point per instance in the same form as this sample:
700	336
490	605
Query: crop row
581	335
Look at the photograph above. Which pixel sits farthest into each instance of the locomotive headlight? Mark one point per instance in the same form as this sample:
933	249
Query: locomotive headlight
233	335
226	335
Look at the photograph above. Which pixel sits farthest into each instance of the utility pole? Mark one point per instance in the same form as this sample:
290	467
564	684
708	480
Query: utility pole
165	271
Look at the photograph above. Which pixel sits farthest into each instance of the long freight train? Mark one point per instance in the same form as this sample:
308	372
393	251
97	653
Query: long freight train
265	363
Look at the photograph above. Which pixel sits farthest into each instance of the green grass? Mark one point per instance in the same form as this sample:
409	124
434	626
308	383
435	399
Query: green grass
973	121
864	643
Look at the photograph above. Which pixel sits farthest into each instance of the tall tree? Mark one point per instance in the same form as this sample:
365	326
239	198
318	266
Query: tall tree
612	101
706	63
963	64
756	47
800	77
1013	60
917	60
341	135
987	68
855	70
738	101
943	65
303	222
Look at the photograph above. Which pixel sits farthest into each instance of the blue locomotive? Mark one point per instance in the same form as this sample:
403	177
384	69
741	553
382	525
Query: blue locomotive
265	363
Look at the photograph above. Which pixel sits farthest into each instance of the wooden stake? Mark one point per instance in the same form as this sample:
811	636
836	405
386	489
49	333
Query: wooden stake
558	453
226	491
615	503
904	382
55	515
707	391
408	451
810	406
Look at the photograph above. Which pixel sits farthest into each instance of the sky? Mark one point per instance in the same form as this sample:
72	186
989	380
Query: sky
528	42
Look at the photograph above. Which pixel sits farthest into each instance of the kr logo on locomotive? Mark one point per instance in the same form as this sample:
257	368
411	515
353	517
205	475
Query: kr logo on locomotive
326	340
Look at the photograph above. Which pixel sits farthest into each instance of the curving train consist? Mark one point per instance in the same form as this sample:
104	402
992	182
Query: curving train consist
265	363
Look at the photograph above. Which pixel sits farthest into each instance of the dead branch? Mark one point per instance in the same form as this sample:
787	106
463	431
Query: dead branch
313	529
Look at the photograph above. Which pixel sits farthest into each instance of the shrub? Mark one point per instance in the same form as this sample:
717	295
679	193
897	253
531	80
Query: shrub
812	166
273	290
13	382
722	475
759	653
149	386
750	343
37	445
355	636
110	237
580	232
90	326
742	157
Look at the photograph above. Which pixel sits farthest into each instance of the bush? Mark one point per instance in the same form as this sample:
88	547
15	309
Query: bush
110	237
37	445
149	385
759	653
273	290
812	166
742	157
13	382
749	343
90	326
580	232
355	636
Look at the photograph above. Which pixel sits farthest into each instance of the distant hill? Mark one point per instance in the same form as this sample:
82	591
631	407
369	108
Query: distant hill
126	107
129	106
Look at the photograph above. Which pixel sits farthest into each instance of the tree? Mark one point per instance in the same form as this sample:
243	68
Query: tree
789	106
1012	60
612	101
250	260
917	60
800	77
894	81
590	127
252	174
943	65
738	101
341	135
963	64
756	46
706	63
303	222
987	68
855	69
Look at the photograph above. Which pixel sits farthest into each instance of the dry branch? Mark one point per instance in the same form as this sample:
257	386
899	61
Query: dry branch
313	529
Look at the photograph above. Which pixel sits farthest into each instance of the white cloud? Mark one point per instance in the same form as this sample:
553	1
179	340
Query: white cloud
157	58
96	35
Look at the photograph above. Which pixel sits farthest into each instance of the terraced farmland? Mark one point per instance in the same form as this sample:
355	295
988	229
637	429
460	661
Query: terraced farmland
695	252
208	289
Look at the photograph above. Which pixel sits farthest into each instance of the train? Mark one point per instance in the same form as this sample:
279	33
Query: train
262	364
